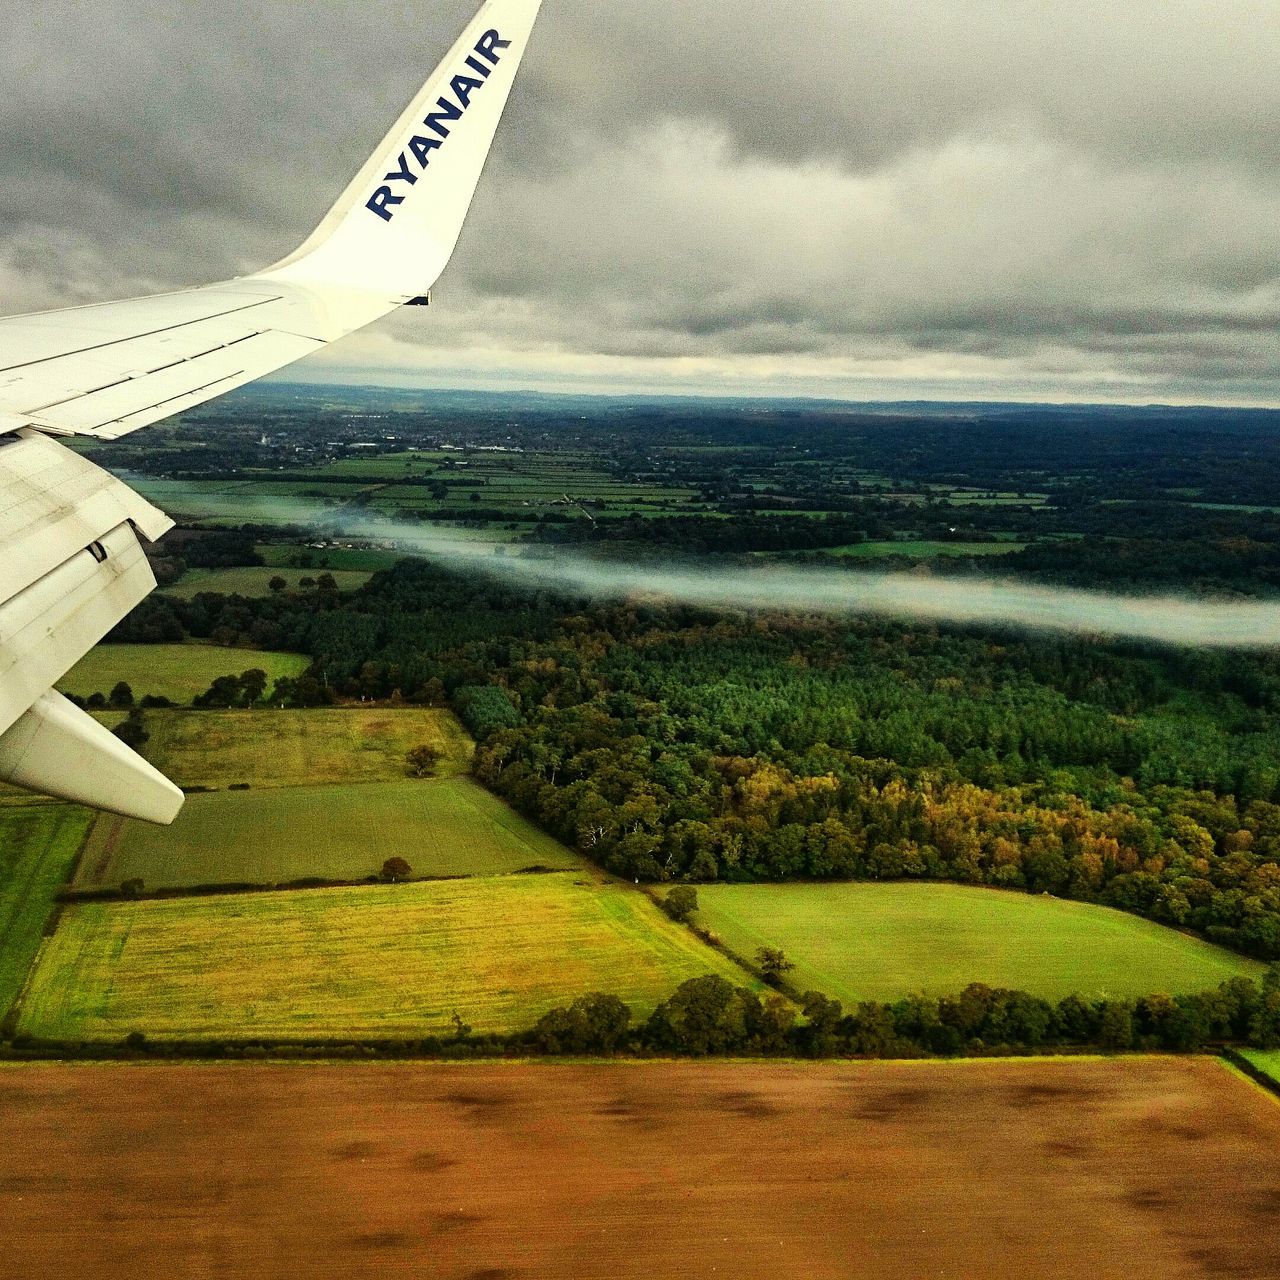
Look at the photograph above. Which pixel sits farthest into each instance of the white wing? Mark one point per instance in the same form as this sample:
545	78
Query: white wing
71	565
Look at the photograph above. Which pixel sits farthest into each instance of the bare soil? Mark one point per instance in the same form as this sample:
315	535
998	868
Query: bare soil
1129	1168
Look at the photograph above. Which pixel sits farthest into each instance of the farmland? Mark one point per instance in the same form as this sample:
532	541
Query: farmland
883	941
450	827
1266	1061
364	962
179	672
38	845
271	748
254	582
1131	1169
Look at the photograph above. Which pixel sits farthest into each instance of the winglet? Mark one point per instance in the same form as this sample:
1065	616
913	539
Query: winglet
395	227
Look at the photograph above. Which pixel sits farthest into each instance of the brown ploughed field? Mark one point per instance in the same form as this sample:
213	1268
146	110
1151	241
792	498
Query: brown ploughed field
1134	1168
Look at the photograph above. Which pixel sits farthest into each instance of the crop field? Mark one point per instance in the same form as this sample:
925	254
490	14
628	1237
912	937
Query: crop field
883	941
273	748
1266	1061
451	827
38	846
255	582
179	672
1126	1169
366	962
230	502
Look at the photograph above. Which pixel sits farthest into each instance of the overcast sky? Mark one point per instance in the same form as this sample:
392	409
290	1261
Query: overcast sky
924	198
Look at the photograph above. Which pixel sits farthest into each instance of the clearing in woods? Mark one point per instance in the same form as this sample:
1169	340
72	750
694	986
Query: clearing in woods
450	827
179	672
884	941
38	846
254	583
396	961
1120	1169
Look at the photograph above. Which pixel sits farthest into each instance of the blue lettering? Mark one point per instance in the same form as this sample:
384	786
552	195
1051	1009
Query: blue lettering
448	111
423	147
488	45
403	173
463	87
383	201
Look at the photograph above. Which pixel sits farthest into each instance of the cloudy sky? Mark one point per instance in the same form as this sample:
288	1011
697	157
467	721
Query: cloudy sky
995	199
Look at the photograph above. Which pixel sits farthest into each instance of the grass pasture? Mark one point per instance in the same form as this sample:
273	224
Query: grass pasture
271	748
38	846
366	962
450	827
883	941
254	582
179	672
1266	1061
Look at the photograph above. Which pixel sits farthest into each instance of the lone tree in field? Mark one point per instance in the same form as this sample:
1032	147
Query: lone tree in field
277	583
681	902
773	965
422	761
396	870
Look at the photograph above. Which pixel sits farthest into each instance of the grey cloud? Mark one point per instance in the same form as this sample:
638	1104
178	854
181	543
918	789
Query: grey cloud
1035	191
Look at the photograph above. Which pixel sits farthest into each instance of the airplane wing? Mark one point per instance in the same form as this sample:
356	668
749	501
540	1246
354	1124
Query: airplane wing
71	564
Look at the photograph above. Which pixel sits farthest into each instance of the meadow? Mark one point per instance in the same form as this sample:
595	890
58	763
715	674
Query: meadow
450	827
255	582
274	748
38	847
883	941
394	961
179	672
1267	1061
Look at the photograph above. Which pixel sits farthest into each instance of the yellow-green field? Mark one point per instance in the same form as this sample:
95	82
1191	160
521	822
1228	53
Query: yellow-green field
1267	1061
884	941
179	672
38	845
369	962
255	583
271	748
449	827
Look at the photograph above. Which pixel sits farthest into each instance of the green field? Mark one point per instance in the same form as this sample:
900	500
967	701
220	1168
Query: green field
882	941
370	962
179	672
272	748
38	846
1267	1061
313	560
925	550
450	827
255	583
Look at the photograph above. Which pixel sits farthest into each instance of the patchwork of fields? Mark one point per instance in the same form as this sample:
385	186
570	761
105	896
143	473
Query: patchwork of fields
883	941
179	672
367	962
